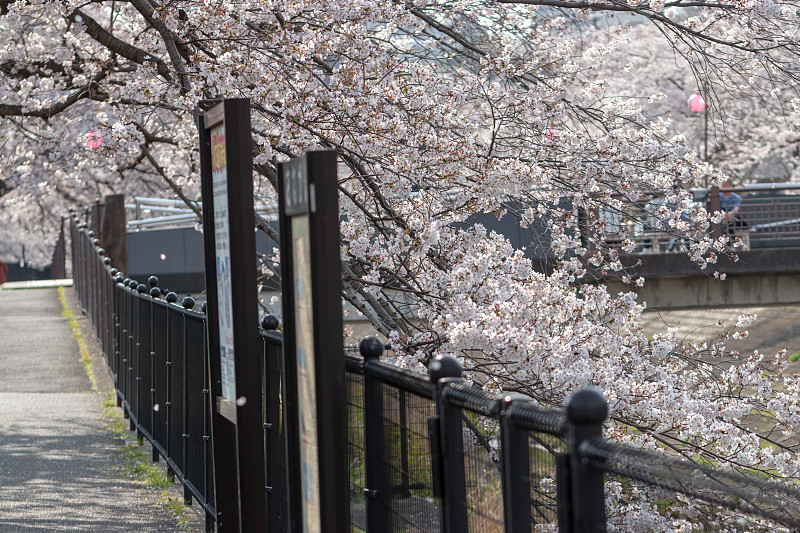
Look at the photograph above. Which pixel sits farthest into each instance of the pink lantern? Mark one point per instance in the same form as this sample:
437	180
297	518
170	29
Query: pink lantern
94	140
697	103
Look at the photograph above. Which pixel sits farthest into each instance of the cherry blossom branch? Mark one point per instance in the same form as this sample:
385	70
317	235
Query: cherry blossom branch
9	110
118	46
170	41
174	186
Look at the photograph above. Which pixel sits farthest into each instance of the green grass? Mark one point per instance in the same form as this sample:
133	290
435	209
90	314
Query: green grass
795	357
136	461
76	332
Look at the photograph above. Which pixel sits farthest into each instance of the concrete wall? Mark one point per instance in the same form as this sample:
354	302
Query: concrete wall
760	277
175	256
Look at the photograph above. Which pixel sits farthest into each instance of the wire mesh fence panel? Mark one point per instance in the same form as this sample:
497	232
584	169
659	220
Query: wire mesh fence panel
356	451
122	342
133	360
407	460
689	495
160	376
482	472
194	436
275	436
144	373
544	451
176	410
771	220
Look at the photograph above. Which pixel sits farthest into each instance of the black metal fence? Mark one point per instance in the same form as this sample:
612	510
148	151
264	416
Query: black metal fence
426	453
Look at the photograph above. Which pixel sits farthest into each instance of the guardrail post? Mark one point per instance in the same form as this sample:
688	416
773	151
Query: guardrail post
377	489
515	461
586	412
448	443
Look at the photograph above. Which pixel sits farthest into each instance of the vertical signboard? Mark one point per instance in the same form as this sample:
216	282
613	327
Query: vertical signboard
313	354
235	363
306	376
219	182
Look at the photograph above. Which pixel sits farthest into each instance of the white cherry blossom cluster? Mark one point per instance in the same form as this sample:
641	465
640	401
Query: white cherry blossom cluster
446	116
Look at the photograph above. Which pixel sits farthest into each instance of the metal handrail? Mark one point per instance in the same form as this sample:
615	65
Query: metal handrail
182	217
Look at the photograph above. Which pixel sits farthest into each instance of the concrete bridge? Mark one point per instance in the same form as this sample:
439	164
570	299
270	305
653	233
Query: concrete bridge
765	276
160	238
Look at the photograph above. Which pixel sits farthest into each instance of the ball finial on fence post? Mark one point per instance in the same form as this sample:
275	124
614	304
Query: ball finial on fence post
444	366
172	297
370	347
188	303
587	406
270	322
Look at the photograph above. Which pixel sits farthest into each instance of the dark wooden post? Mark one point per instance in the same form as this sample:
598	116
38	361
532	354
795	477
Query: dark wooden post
58	268
234	357
113	236
314	364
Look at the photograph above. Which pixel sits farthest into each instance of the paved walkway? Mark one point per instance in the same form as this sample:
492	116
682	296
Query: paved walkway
60	470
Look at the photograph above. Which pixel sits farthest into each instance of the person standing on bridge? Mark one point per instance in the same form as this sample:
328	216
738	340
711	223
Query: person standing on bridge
731	204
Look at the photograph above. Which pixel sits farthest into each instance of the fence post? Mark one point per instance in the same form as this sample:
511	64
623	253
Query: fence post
117	293
586	412
188	303
377	489
154	292
515	461
274	433
452	484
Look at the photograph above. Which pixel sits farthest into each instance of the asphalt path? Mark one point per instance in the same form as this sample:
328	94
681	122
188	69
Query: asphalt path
60	469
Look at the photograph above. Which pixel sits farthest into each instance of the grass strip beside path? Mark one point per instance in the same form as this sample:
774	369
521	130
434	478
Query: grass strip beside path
67	313
136	462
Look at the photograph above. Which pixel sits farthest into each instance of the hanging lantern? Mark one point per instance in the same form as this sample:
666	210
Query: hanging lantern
94	140
697	103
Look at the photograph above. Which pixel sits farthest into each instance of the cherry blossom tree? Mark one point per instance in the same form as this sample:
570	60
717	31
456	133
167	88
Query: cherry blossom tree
439	111
751	137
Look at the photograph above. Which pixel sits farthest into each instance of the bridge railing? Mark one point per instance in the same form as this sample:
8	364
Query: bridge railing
426	453
770	211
